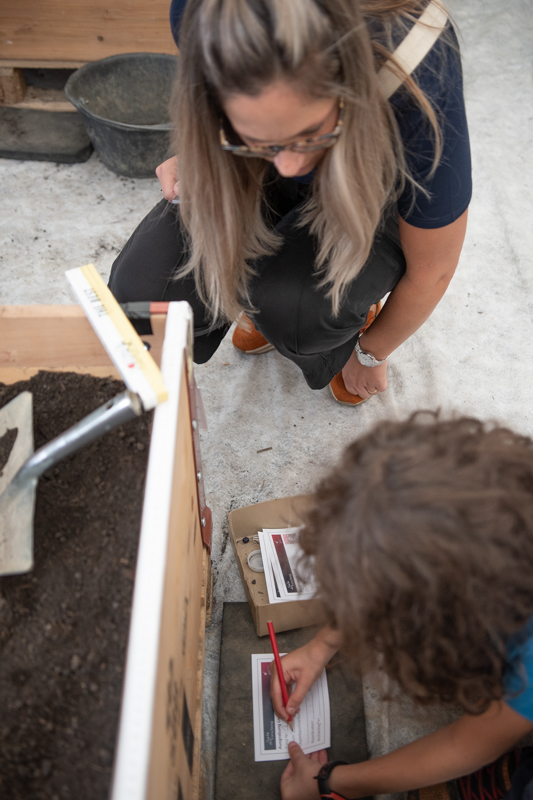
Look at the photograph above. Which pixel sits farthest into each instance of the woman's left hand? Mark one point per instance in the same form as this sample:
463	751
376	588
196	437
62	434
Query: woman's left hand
298	779
364	381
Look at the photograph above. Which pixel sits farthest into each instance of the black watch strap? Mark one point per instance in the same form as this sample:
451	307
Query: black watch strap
323	785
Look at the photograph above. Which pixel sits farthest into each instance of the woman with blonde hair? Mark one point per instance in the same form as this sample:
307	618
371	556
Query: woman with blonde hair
323	162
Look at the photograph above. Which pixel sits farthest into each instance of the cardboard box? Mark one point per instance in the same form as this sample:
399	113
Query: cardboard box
282	513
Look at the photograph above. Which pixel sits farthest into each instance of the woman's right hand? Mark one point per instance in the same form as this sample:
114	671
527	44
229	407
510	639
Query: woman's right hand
167	172
302	667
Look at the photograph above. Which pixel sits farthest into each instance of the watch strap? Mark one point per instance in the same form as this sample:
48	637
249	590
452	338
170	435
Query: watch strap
333	796
322	779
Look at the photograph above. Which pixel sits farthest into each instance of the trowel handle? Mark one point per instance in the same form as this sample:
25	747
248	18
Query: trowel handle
115	412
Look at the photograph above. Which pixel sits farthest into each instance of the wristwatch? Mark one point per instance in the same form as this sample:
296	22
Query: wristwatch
365	358
323	785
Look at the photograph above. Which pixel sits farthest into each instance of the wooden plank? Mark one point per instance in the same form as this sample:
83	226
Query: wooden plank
12	85
14	374
175	747
207	593
83	30
158	748
39	99
43	63
199	788
57	338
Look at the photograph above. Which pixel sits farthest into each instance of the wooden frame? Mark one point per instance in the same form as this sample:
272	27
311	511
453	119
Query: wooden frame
158	744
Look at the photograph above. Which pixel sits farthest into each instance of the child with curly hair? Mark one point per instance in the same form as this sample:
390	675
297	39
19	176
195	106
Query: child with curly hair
422	544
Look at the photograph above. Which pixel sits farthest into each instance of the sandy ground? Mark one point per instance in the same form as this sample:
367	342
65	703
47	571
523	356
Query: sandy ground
471	357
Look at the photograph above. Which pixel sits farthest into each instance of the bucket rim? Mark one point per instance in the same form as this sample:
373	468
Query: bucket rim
163	126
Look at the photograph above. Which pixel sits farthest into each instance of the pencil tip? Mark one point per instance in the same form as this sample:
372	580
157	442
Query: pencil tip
291	725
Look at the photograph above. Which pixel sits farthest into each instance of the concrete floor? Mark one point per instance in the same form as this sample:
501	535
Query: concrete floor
471	357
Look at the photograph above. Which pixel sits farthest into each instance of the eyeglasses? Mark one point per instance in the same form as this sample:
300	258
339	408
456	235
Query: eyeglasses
305	146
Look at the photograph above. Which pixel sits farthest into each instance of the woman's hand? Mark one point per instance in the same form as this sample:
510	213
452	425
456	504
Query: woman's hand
298	779
167	172
303	667
364	381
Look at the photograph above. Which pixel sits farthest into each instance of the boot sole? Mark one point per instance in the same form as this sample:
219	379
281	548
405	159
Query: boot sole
344	403
264	349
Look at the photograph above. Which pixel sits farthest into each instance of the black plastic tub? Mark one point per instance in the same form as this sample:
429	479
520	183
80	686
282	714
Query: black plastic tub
123	101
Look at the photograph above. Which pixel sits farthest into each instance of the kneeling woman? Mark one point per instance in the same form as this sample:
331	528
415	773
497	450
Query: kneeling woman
315	175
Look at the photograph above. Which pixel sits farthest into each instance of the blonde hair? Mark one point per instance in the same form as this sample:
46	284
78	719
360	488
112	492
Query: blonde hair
233	47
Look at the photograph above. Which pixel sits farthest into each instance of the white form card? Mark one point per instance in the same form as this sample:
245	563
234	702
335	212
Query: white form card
311	724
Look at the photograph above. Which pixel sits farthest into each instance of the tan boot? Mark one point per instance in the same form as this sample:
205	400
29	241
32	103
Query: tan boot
248	340
337	386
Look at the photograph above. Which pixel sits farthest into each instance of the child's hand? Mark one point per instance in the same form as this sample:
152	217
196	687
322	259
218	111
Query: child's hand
303	667
298	779
167	172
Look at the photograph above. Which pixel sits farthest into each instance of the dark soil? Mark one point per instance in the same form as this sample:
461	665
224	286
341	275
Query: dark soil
6	445
64	626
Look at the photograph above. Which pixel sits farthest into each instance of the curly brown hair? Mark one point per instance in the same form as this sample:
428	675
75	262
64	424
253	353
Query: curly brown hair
422	541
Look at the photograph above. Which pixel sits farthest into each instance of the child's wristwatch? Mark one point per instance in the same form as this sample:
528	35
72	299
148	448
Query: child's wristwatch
323	785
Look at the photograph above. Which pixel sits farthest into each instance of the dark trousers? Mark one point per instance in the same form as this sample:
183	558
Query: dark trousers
293	313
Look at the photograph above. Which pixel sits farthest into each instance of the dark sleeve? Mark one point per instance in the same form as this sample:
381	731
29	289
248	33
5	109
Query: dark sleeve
177	7
450	188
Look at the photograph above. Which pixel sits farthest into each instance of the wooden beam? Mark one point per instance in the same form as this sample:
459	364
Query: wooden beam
83	30
158	747
43	63
38	99
12	85
57	338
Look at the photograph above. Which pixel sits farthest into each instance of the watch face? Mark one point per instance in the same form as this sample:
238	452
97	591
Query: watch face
365	358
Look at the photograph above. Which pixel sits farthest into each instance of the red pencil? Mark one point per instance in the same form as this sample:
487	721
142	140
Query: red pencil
277	659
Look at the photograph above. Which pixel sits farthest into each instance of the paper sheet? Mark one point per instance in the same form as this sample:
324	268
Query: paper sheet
281	559
272	735
274	594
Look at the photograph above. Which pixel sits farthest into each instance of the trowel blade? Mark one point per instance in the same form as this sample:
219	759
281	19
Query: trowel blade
17	500
16	528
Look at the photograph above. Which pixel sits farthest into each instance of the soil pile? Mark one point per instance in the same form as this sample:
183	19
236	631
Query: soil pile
64	626
6	444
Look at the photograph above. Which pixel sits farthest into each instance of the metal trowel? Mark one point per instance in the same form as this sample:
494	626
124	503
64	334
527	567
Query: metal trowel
18	480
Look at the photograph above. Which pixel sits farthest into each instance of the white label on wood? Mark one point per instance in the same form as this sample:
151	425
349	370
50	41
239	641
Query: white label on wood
125	348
